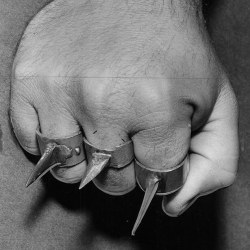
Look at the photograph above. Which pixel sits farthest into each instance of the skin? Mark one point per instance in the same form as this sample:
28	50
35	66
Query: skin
120	70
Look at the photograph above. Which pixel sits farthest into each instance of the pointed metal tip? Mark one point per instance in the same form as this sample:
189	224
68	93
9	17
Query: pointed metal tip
149	195
29	182
95	167
43	166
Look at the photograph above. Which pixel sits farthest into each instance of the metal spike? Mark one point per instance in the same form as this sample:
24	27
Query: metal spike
46	162
95	167
54	155
149	195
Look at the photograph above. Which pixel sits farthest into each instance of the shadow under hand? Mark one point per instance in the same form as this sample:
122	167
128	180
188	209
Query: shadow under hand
114	217
195	229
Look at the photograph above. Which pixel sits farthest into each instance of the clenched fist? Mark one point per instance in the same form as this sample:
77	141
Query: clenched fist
120	70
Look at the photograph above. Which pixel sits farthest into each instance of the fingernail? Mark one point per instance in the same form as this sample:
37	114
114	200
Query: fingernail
185	207
167	213
188	205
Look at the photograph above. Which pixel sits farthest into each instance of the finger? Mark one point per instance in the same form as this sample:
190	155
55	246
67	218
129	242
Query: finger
160	157
111	180
203	178
57	122
24	120
162	140
166	151
213	163
161	144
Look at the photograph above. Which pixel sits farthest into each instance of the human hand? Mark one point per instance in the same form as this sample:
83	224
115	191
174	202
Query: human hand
138	71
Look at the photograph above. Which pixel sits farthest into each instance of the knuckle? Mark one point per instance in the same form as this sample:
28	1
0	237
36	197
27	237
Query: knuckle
158	101
106	101
163	145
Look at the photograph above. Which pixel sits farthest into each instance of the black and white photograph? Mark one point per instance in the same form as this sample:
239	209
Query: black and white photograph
124	125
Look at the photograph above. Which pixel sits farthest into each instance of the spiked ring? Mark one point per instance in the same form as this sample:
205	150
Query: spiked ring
98	159
66	151
158	182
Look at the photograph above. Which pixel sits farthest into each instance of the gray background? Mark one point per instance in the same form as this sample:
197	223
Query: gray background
52	215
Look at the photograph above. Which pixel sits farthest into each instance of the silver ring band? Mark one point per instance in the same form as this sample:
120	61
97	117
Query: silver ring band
121	155
73	143
170	180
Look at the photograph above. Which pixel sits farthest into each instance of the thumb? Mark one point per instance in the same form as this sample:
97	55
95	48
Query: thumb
214	156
